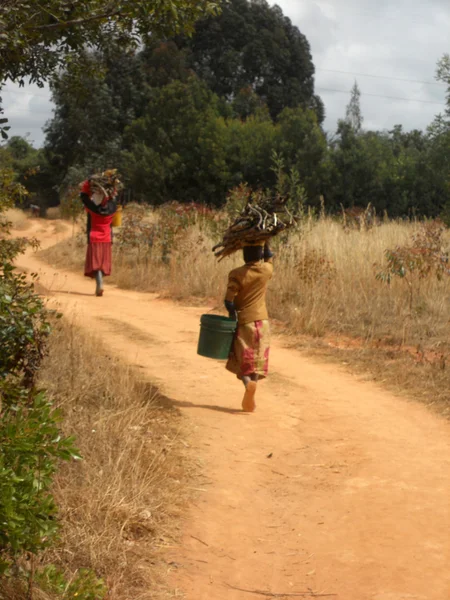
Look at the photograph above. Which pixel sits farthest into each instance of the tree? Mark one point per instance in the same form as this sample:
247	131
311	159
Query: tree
443	74
252	44
174	151
302	144
38	38
35	38
353	115
87	125
162	62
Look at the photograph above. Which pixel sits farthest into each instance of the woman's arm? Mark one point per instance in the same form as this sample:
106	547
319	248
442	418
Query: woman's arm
232	291
104	211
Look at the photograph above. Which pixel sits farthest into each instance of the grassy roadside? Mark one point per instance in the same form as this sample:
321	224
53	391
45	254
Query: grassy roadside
121	505
405	372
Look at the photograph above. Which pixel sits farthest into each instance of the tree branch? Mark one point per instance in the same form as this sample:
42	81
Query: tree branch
78	21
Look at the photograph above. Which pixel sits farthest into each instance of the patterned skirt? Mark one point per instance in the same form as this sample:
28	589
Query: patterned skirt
98	258
250	351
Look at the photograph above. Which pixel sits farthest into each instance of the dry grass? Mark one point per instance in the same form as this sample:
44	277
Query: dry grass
18	218
325	281
120	506
60	227
325	285
52	213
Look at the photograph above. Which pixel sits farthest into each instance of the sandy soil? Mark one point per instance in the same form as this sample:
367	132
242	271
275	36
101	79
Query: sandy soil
334	486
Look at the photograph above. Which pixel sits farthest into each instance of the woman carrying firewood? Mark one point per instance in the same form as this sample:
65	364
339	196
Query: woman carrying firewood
245	301
100	204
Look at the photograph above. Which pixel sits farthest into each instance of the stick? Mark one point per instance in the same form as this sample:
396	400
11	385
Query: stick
199	540
278	595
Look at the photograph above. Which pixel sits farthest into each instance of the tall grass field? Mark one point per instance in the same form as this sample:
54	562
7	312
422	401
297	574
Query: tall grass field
387	286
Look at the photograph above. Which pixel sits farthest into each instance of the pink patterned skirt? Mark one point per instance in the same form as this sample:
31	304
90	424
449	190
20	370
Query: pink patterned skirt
250	351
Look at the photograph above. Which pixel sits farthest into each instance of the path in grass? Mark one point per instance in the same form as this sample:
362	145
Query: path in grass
333	486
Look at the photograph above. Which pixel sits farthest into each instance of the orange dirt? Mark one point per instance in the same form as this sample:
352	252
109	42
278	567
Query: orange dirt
333	486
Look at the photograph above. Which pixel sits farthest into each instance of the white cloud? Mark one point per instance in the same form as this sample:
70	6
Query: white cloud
28	109
401	40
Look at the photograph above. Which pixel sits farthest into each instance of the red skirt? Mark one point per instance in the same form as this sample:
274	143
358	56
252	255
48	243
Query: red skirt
98	258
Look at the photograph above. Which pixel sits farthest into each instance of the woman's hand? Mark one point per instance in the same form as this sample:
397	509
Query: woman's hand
268	254
232	313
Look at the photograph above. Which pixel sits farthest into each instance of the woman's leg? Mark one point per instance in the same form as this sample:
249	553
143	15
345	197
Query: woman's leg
248	402
99	282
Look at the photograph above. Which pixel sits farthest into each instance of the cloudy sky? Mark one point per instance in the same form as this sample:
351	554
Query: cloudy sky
390	48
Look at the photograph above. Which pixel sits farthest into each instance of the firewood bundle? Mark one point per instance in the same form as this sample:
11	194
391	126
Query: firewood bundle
261	219
106	183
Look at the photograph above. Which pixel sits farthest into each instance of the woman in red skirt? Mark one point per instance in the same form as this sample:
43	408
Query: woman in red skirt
100	212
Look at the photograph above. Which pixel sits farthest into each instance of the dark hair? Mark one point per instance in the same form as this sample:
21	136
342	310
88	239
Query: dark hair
253	253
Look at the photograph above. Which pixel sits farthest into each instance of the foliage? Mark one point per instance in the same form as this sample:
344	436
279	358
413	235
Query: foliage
136	233
174	150
31	169
443	74
424	257
353	114
143	234
30	447
84	585
302	144
252	45
30	441
24	327
71	206
35	39
403	173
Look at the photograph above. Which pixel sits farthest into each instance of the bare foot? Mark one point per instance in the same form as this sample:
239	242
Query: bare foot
99	293
248	403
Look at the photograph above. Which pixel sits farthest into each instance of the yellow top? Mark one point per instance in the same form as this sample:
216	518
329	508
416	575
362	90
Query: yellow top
247	286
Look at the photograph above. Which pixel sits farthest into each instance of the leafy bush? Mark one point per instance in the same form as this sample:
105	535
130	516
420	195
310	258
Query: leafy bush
83	586
31	444
424	257
24	327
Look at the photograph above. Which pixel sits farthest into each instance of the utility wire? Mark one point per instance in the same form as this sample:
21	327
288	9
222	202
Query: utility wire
382	77
320	89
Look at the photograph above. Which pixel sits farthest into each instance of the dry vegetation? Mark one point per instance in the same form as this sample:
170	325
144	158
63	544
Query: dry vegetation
52	213
120	505
18	218
325	286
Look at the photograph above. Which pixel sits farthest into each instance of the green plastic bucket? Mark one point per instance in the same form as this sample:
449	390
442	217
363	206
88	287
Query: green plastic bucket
216	336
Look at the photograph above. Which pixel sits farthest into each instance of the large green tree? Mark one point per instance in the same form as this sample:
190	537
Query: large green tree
174	150
253	44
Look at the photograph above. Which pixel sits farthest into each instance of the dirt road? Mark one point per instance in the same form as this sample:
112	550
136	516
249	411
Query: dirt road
333	485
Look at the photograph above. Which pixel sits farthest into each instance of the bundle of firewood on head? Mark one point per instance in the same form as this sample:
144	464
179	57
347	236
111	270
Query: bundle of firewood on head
262	218
107	183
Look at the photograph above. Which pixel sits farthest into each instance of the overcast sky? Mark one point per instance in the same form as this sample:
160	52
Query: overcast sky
350	39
